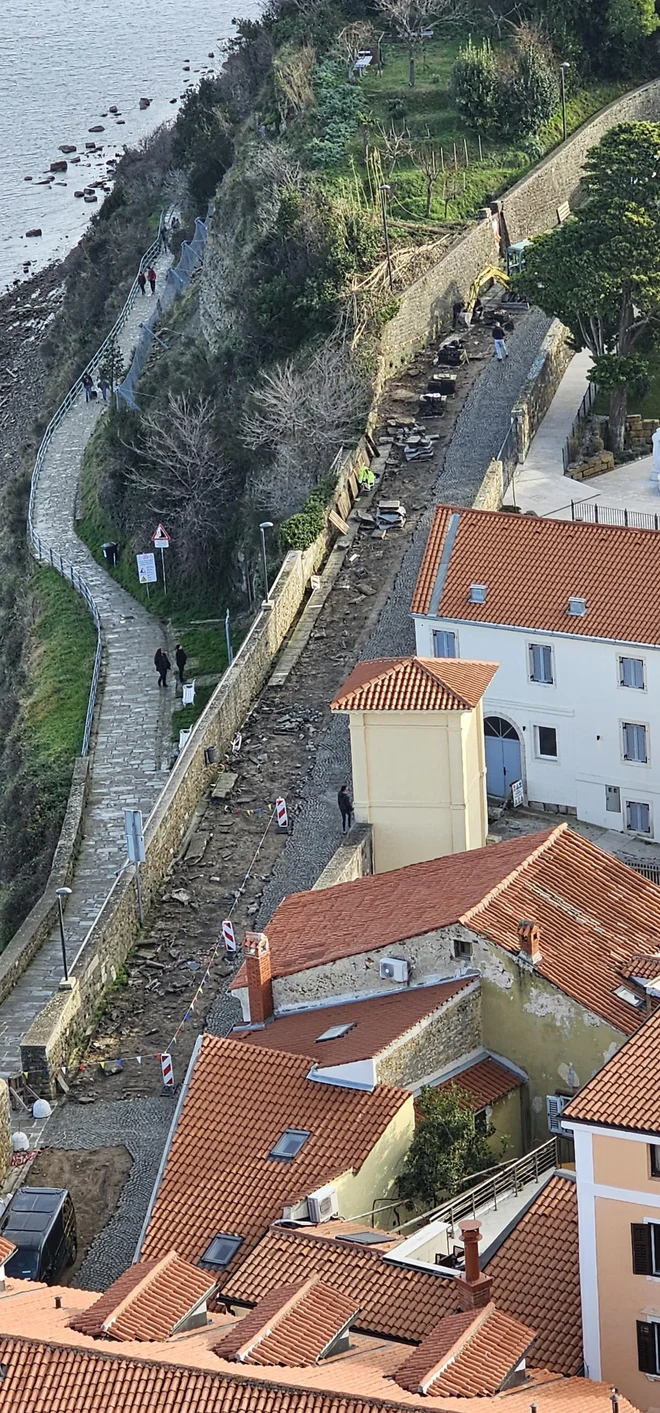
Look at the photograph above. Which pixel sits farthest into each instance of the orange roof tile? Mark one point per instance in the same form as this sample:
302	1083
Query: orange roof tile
7	1249
645	966
400	1302
594	913
240	1100
147	1302
626	1092
414	684
608	565
376	1023
485	1081
466	1355
294	1326
545	1293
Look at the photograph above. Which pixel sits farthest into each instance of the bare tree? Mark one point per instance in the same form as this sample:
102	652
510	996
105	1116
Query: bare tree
425	159
392	143
411	18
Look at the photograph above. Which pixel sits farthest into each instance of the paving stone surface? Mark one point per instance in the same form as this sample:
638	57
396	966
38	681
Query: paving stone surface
131	740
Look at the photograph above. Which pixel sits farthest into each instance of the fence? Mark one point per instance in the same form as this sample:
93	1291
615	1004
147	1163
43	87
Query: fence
590	512
177	278
581	416
46	552
507	1181
645	868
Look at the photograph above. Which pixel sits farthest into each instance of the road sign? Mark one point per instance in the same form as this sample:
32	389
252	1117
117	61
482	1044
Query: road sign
517	793
281	813
228	936
167	1071
160	537
134	835
146	567
315	581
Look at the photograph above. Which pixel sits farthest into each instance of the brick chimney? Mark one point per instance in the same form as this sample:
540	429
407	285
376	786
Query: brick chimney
260	986
473	1288
529	938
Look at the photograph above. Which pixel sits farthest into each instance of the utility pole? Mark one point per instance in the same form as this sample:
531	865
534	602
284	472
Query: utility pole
383	206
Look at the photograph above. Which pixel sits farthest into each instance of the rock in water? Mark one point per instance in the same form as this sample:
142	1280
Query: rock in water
35	232
59	166
79	193
98	127
67	147
144	102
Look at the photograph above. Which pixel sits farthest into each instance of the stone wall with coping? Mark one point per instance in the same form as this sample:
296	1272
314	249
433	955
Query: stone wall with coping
353	858
5	1130
538	390
491	491
434	1045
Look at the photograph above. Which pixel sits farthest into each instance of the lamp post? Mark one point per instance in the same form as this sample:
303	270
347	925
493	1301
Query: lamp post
60	894
383	206
265	525
562	79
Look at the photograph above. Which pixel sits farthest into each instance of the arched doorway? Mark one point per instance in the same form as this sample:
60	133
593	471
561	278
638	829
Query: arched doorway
503	756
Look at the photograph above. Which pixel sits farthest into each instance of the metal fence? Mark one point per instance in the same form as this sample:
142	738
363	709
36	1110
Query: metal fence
581	416
177	279
642	866
47	553
590	512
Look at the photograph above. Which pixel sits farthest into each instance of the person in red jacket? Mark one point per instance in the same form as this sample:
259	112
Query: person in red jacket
151	276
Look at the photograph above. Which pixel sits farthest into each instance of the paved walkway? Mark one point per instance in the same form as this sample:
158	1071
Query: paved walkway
540	484
131	747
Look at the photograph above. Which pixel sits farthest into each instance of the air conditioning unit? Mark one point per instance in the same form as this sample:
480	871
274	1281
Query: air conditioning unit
297	1212
394	969
554	1107
323	1204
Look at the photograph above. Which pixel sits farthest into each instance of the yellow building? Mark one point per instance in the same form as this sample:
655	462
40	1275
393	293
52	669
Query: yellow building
615	1122
417	748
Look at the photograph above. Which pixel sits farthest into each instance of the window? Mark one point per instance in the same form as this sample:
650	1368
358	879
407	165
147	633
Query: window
632	998
647	1347
462	948
444	644
334	1032
220	1251
540	664
289	1145
645	1248
654	1155
638	817
631	672
634	742
546	742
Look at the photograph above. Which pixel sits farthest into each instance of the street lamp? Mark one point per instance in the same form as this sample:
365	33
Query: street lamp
265	525
62	893
383	206
562	79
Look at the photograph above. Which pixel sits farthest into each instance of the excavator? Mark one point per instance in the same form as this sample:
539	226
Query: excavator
514	260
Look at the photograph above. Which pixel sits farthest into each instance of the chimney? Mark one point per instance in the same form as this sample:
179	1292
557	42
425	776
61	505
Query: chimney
473	1288
529	938
260	986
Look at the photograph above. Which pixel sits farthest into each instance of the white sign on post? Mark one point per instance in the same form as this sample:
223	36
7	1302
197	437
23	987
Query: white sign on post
134	835
161	541
517	794
146	567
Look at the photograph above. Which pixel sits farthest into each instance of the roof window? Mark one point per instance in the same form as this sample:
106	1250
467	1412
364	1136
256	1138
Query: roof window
220	1251
625	994
289	1145
478	593
334	1032
577	606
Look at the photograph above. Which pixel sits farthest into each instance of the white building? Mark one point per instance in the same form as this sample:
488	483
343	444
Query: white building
572	614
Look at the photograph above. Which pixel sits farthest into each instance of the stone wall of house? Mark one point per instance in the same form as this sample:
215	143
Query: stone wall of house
453	1033
5	1130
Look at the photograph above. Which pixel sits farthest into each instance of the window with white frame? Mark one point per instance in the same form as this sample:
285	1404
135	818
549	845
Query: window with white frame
635	742
545	742
631	672
540	664
444	643
645	1248
638	817
648	1346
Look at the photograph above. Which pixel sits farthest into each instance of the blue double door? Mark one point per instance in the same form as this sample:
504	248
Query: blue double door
503	756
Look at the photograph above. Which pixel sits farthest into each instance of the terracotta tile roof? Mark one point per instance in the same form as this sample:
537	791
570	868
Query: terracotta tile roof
545	1293
219	1176
532	567
294	1326
399	1302
466	1355
626	1092
644	966
7	1249
147	1302
376	1023
486	1081
414	684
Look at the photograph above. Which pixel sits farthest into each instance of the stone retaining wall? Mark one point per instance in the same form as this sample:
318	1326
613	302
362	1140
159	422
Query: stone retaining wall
538	391
353	858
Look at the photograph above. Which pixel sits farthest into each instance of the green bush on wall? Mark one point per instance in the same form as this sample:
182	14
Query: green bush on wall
300	531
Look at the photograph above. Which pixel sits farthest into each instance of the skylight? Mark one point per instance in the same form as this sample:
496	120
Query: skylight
335	1031
290	1144
625	994
220	1250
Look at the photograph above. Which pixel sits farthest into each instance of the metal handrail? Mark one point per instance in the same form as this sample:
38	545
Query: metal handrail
510	1178
47	552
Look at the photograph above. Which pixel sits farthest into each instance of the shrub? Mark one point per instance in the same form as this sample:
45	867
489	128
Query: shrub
474	84
300	531
340	108
528	93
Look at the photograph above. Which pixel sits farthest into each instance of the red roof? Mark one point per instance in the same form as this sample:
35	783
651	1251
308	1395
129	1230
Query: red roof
294	1326
147	1302
532	567
626	1092
466	1355
415	684
485	1081
7	1249
375	1023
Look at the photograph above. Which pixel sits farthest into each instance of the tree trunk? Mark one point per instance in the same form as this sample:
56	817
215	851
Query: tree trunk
429	196
617	427
411	70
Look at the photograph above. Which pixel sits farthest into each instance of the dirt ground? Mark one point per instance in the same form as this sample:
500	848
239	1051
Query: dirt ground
95	1180
164	971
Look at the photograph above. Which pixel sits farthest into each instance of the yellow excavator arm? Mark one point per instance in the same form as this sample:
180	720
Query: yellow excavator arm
491	274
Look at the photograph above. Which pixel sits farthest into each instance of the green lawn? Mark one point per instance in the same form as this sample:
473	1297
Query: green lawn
61	660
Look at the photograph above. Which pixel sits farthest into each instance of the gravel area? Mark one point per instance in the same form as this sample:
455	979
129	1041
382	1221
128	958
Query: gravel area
142	1125
478	436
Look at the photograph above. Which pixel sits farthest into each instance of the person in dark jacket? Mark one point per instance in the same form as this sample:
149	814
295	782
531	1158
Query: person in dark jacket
180	658
501	349
142	281
162	665
345	808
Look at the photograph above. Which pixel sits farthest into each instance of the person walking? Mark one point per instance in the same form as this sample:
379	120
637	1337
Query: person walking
180	658
103	386
87	385
151	276
345	808
142	281
500	345
162	665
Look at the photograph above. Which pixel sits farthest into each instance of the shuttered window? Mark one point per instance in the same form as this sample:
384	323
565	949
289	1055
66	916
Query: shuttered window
647	1346
634	742
444	643
642	1254
540	664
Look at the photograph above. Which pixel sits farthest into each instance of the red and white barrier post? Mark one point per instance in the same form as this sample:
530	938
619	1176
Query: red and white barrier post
282	815
228	936
167	1070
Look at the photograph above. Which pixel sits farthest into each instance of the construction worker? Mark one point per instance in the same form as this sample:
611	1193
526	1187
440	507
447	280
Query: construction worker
362	479
371	478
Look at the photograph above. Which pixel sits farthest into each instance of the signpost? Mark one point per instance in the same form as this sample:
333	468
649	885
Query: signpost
161	540
517	794
135	848
146	567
